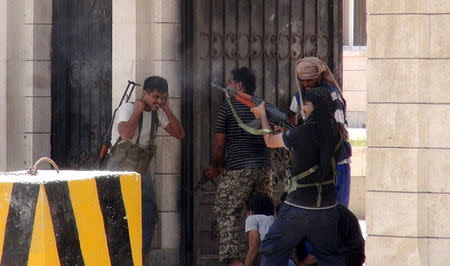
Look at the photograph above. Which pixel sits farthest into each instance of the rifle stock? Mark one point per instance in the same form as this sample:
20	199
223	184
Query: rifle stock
274	115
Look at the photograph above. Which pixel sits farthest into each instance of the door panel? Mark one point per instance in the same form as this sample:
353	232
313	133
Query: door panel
81	80
268	36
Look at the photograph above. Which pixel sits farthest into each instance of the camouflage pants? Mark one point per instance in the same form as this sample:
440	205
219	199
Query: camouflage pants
234	188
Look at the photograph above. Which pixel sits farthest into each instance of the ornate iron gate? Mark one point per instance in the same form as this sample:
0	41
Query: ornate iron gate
81	80
267	36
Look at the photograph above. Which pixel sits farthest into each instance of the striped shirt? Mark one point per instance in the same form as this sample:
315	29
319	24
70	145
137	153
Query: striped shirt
242	149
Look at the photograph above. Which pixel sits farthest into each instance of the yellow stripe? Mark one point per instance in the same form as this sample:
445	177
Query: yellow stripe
131	193
89	219
5	198
43	250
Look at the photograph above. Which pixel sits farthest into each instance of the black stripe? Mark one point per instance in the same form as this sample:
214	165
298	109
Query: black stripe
114	218
64	224
19	224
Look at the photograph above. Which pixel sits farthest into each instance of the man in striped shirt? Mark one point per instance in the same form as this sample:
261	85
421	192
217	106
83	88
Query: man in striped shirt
243	164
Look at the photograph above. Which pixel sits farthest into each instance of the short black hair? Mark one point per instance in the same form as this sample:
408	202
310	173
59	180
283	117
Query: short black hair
247	77
260	203
156	83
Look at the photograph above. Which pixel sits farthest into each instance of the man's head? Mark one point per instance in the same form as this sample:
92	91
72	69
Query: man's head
155	92
242	79
309	72
260	203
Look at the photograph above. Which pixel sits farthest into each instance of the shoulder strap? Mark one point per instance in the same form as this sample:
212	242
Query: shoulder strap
154	126
140	128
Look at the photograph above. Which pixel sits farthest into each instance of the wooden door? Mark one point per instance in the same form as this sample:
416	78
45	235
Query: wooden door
268	36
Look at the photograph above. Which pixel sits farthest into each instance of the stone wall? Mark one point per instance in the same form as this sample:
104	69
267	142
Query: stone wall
146	41
408	189
25	29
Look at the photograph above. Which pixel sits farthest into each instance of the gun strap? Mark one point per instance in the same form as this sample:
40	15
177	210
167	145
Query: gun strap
251	130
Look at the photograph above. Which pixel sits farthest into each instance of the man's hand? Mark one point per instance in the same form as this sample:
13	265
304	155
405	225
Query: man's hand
165	103
259	110
212	172
139	106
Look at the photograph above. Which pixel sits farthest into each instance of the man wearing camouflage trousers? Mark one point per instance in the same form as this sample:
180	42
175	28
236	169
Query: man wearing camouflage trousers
242	163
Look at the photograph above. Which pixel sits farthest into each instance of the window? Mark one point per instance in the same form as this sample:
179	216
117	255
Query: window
354	24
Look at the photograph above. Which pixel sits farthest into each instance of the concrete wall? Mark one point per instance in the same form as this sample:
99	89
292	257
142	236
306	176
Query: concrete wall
3	85
146	41
408	198
24	82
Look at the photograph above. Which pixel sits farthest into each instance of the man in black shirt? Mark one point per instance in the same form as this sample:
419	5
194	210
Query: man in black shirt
243	163
310	210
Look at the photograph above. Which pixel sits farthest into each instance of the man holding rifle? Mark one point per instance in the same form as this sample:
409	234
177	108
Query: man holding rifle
133	135
243	164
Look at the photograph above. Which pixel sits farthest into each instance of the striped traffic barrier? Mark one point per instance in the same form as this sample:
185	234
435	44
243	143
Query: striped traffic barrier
70	218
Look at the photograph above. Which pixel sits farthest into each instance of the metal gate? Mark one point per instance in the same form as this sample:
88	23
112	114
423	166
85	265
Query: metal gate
81	80
267	36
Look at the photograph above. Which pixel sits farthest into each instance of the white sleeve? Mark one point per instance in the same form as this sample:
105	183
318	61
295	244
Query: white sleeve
251	223
294	105
124	113
163	120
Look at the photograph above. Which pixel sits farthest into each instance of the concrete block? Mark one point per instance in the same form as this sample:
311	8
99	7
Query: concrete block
354	80
171	42
356	101
357	202
439	38
19	79
393	7
438	251
171	70
396	251
168	191
163	257
170	230
42	42
394	125
354	60
42	78
38	114
436	116
42	12
438	209
20	42
386	209
171	11
387	169
149	41
168	156
123	70
397	36
434	169
123	42
37	146
393	80
358	165
433	86
124	12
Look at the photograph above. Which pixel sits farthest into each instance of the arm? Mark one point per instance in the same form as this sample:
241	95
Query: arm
174	128
253	248
128	128
217	156
272	141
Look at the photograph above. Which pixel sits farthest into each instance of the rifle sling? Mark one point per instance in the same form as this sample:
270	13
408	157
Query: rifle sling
251	130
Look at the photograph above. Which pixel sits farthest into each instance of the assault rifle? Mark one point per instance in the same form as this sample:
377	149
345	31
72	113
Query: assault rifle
106	141
274	115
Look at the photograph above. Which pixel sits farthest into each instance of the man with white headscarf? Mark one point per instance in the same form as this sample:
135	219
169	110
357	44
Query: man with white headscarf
312	72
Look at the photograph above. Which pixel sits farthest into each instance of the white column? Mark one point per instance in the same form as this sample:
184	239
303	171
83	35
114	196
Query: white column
408	198
3	85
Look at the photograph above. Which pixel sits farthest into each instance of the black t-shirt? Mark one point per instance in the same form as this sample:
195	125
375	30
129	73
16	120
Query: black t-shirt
242	149
307	153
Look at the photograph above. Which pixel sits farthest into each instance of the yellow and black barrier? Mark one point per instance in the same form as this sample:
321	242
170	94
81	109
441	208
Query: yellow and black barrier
70	218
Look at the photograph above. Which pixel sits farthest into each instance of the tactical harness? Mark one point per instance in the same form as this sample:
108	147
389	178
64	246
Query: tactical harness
291	182
129	156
